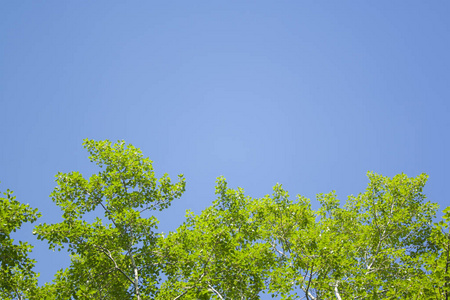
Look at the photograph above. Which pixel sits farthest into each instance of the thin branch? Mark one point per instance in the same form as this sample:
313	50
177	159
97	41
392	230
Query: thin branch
309	282
336	291
18	294
109	213
276	249
181	295
109	255
216	292
187	289
308	294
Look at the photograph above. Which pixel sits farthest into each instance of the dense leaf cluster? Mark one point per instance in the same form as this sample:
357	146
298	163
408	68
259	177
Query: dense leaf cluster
381	244
17	278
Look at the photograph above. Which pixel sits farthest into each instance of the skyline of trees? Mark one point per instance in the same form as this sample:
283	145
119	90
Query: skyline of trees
383	243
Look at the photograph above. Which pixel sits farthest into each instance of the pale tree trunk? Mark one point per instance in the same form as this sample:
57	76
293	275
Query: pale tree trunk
136	277
336	291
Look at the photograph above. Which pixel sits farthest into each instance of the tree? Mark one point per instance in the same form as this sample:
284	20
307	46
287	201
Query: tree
18	280
381	244
437	262
112	257
217	254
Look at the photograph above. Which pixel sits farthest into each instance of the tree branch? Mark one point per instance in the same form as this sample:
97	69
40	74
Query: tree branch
136	275
108	254
308	294
216	292
187	289
336	291
181	295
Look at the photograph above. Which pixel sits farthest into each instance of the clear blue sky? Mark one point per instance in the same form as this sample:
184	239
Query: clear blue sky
311	94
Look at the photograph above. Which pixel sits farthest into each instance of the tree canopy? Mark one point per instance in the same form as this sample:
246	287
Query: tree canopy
383	243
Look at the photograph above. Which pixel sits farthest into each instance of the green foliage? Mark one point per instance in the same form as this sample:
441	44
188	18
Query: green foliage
216	254
16	269
113	256
380	244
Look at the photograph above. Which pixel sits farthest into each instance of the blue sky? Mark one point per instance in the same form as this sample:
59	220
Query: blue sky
310	94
